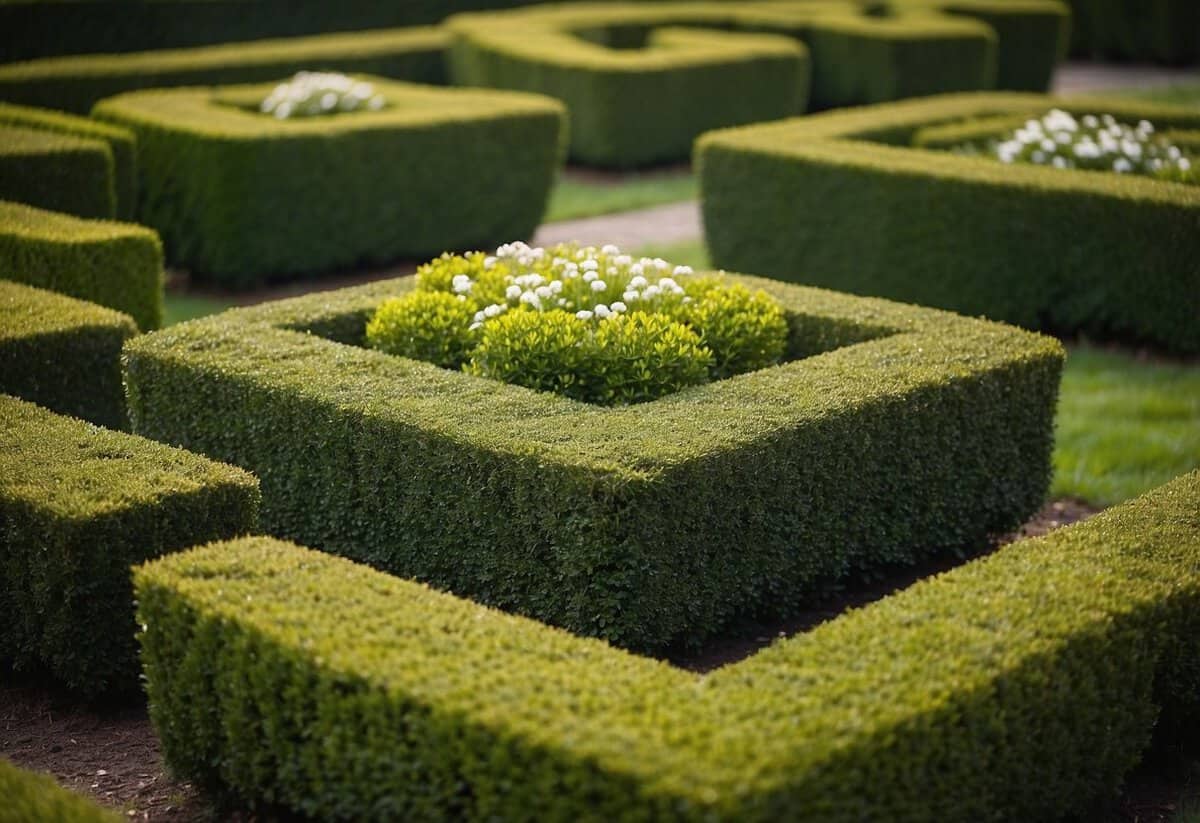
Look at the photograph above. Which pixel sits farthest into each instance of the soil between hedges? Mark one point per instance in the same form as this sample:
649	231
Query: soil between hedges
111	753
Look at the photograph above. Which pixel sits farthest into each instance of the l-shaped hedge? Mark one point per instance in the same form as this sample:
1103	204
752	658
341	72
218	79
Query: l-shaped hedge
80	505
1017	687
843	200
36	797
617	521
57	171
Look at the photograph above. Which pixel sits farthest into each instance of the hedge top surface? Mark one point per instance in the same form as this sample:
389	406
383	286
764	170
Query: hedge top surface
863	351
27	311
28	222
79	471
63	123
231	112
793	727
18	141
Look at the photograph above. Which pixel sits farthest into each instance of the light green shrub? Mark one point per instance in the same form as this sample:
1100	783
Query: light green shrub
37	797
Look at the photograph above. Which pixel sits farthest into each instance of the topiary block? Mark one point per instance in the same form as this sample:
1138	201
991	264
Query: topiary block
56	171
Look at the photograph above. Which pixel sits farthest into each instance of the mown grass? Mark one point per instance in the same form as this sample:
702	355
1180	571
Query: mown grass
577	196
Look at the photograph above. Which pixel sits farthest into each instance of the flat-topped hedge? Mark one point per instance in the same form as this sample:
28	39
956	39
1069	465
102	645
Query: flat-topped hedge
30	796
1017	687
63	353
80	505
616	521
57	171
842	199
239	196
118	265
77	83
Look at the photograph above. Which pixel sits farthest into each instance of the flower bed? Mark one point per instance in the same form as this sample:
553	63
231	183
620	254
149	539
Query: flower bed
845	200
240	196
645	523
56	171
1017	688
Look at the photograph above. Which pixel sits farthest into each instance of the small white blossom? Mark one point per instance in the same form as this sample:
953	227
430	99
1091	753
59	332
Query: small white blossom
618	307
599	285
584	314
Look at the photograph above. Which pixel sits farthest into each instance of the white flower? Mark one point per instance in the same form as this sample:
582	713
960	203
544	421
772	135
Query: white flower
590	265
630	296
513	292
638	282
610	250
1183	164
636	270
544	292
651	292
589	276
584	314
599	285
618	307
602	311
1059	162
1122	165
682	270
488	262
494	310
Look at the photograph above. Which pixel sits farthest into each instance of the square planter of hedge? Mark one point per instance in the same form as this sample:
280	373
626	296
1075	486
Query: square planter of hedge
1017	687
893	433
57	171
80	504
118	265
239	196
845	200
62	353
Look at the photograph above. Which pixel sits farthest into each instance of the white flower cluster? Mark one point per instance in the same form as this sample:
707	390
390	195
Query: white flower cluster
311	93
591	283
1096	142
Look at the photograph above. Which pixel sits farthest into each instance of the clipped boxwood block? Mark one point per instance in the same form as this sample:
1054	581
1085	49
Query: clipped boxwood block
78	83
239	196
844	200
120	143
1017	687
57	171
63	353
1164	30
30	796
118	265
619	522
80	504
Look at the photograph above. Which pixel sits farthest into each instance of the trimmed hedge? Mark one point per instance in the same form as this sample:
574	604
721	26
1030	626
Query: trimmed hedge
63	353
1164	30
819	200
637	96
120	143
240	197
80	504
118	265
29	796
1017	687
78	83
617	521
57	171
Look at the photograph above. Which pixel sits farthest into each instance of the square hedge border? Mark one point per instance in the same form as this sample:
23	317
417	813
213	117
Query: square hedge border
841	200
1017	687
900	433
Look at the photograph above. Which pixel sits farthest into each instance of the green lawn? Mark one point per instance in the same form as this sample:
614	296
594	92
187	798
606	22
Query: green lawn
577	196
180	307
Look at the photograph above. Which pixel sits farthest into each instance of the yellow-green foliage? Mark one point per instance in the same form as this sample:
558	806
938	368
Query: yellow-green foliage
57	171
425	325
118	265
36	797
239	196
78	83
119	141
844	200
894	433
1017	687
63	353
80	504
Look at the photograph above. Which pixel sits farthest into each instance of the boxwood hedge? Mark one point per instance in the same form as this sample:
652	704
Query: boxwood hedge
80	504
118	265
77	83
617	521
240	197
1017	687
63	353
57	171
30	796
843	200
1163	30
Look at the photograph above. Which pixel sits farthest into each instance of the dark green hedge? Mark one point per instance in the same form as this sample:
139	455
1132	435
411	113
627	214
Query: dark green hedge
617	521
78	83
63	353
118	265
1164	30
240	197
80	504
57	171
30	797
120	143
1018	687
818	200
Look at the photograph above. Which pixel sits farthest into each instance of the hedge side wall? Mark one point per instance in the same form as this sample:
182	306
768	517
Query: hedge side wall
1164	30
58	172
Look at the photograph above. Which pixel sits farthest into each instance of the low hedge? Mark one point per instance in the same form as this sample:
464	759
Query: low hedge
632	105
617	521
78	83
63	353
118	265
819	200
120	143
1164	30
80	504
1017	687
240	197
57	171
29	796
